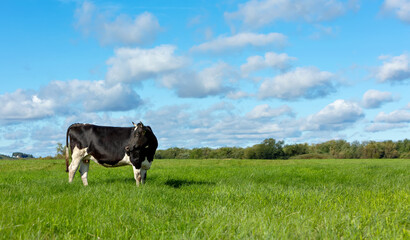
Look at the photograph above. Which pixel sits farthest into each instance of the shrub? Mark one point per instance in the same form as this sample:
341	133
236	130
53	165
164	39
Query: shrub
312	156
405	155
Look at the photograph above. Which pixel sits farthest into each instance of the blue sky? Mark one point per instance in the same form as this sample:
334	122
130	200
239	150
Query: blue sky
205	73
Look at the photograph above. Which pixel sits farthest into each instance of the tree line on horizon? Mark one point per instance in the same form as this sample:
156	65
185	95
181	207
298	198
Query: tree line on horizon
273	149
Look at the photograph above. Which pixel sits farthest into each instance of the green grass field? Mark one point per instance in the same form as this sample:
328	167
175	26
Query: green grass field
209	199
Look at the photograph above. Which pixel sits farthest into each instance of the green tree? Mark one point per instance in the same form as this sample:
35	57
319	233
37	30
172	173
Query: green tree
268	149
201	153
250	153
296	149
372	150
354	150
60	151
403	147
389	149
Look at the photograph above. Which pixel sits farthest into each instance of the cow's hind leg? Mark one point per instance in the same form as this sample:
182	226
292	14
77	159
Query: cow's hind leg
77	156
84	166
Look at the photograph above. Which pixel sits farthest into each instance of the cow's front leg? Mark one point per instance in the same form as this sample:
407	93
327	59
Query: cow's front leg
143	175
144	169
137	175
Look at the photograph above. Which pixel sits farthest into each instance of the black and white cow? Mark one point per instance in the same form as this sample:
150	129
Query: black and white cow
110	147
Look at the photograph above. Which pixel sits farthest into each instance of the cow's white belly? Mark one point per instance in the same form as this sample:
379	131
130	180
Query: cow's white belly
145	165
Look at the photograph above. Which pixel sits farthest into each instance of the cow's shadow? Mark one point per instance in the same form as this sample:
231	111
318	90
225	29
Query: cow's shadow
174	183
177	183
115	180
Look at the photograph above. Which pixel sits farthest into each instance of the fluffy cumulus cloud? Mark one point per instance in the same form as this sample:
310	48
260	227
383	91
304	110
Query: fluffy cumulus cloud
397	116
271	60
64	97
400	8
210	81
335	116
386	121
302	82
91	96
24	105
122	29
394	69
133	65
136	64
241	40
374	98
256	13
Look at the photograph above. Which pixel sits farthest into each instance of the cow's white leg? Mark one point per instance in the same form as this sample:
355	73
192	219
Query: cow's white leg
77	156
84	166
137	175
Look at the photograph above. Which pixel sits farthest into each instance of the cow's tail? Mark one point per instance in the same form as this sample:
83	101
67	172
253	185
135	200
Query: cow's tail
67	150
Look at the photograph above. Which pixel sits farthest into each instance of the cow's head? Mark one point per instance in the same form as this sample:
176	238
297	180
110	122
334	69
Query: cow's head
142	145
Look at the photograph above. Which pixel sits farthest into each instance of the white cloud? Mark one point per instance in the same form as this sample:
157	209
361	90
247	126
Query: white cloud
400	8
210	81
379	127
136	64
397	116
175	130
335	116
241	40
271	60
265	111
303	82
91	96
386	121
215	126
374	98
65	97
123	29
132	65
394	69
101	118
24	105
237	95
256	13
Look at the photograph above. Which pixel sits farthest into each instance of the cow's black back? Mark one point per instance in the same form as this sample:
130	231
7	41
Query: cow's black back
105	144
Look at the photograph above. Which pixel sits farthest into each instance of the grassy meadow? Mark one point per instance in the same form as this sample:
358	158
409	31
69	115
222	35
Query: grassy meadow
209	199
